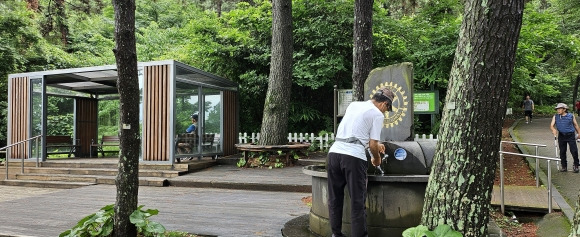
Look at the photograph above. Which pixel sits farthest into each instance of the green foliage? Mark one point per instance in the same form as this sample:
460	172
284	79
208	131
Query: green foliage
60	125
101	223
264	157
546	58
278	164
145	226
440	231
96	224
241	162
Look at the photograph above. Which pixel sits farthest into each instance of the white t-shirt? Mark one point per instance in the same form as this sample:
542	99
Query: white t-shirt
362	120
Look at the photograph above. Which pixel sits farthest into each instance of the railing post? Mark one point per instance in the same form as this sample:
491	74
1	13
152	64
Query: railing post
6	161
22	164
501	191
37	152
537	168
549	188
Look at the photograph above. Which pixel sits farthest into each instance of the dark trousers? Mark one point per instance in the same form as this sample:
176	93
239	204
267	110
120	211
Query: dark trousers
562	144
344	170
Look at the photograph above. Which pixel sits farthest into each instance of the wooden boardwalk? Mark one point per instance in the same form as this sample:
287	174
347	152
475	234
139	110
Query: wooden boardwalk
523	198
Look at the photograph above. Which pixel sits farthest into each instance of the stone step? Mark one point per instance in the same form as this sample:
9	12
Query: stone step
109	165
143	181
45	184
103	172
57	177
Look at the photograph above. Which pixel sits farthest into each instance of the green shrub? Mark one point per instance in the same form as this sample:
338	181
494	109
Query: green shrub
101	224
440	231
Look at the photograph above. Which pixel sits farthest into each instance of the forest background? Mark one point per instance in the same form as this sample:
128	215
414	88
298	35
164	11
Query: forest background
231	38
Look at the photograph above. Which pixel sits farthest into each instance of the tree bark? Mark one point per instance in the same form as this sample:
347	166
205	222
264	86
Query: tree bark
219	7
462	176
127	179
277	104
32	5
362	55
575	230
61	21
575	90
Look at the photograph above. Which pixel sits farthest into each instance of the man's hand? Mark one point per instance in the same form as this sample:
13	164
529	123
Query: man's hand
376	150
376	161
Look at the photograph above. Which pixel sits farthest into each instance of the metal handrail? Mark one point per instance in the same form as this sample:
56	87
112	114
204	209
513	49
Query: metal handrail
537	164
22	162
537	168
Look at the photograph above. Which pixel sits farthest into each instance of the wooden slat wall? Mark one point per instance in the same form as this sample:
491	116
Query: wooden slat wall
86	124
156	138
19	105
230	123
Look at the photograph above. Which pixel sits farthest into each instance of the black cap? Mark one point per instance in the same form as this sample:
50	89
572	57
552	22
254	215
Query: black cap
193	116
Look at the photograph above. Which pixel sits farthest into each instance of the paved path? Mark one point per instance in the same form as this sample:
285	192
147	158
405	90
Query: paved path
220	212
566	183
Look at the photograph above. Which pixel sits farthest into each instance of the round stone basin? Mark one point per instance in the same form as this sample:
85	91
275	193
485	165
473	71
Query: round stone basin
394	203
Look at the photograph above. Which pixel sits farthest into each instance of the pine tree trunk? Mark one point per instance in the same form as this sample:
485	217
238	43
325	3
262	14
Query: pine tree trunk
459	189
127	180
219	7
575	90
61	21
275	121
575	230
362	55
32	5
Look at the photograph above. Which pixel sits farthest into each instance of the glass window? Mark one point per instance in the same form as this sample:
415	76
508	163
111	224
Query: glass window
186	125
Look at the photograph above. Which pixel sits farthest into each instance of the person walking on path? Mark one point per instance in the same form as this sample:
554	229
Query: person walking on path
577	107
347	161
528	106
565	127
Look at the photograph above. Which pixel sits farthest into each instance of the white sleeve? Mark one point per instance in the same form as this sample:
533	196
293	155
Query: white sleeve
377	127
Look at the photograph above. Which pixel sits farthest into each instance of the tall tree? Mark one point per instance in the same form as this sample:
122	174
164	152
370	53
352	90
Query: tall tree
61	21
127	180
459	189
362	54
276	107
32	5
575	229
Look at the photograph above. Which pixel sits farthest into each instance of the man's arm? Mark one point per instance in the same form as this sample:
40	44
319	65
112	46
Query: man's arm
553	127
376	149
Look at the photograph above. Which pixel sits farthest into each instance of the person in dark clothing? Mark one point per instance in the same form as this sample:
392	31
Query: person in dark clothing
347	161
528	106
565	127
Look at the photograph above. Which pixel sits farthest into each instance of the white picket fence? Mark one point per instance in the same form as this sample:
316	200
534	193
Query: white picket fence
323	141
425	137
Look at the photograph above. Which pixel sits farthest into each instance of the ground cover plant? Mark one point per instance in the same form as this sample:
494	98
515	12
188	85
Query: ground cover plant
100	224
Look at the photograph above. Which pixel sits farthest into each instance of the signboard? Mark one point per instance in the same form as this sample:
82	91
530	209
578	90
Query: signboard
426	102
344	99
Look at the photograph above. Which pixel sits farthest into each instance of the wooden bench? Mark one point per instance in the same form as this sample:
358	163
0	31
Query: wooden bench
185	143
53	143
105	141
